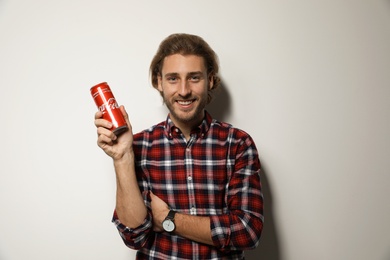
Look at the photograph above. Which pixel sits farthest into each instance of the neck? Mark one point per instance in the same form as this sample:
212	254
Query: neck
187	126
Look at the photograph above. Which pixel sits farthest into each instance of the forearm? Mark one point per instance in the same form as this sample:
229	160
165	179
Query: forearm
130	206
196	228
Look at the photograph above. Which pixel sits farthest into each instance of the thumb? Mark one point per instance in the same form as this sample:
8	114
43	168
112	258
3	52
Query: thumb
125	115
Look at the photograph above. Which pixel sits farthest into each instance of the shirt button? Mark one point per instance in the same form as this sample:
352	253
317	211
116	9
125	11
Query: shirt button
189	178
192	210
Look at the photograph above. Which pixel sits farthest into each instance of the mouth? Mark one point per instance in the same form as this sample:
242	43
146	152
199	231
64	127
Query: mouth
185	102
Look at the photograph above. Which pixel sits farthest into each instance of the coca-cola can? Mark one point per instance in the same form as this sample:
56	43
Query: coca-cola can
106	103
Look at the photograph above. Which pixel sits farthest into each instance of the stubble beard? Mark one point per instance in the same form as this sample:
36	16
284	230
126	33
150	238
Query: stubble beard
191	116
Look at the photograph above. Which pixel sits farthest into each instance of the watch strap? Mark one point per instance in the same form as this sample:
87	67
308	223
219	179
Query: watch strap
171	214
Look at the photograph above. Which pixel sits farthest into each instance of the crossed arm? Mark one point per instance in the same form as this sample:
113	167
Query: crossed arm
132	211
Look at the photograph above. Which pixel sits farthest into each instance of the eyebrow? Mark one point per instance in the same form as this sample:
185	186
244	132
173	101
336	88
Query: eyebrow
195	73
190	74
171	74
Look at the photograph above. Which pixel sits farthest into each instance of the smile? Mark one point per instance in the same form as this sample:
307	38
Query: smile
185	102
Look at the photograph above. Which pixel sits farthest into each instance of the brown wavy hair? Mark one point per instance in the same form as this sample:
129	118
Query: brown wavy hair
186	44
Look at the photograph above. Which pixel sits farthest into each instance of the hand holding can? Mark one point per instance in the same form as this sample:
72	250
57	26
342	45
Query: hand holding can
106	103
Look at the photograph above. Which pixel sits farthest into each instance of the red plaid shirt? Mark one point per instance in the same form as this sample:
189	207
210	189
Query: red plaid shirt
215	174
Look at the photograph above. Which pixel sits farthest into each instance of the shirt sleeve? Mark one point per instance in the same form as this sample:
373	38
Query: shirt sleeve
134	238
241	227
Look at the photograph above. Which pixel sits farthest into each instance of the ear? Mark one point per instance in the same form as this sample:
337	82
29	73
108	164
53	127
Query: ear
211	82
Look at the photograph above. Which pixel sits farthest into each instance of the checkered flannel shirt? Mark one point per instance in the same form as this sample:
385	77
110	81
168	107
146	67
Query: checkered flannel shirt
216	173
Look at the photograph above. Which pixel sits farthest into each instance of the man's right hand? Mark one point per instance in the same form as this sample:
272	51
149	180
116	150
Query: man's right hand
114	146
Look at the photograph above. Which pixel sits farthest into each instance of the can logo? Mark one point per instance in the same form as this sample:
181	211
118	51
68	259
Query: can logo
111	104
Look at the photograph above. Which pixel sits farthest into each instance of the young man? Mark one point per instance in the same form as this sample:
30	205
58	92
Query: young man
188	187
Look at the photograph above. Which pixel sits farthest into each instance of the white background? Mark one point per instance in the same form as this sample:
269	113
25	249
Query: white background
309	80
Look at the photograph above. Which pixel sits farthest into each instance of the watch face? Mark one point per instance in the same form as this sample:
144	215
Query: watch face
168	225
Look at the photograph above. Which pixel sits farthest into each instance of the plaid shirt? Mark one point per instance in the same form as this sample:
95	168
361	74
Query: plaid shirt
215	174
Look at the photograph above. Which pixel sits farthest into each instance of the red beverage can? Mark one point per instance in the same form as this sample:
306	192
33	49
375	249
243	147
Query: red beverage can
106	103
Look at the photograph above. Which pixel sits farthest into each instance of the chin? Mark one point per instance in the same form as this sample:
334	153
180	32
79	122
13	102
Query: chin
187	116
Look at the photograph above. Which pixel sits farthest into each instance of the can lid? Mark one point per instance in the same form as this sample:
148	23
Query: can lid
100	84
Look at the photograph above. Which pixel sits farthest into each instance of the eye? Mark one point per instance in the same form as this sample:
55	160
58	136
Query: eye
172	79
195	78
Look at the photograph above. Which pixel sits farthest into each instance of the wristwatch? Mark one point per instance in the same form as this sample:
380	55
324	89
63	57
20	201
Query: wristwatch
168	223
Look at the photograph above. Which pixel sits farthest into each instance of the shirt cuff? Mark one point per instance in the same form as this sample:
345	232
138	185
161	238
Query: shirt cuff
220	230
134	237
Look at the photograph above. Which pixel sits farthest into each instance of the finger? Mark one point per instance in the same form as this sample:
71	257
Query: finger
98	114
152	196
124	113
103	123
104	141
102	131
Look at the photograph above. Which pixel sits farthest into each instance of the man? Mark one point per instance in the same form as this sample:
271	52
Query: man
188	187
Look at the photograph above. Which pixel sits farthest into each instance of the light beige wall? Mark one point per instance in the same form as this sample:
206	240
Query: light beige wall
309	80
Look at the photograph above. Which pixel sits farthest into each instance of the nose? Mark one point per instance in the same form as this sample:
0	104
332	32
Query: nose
185	88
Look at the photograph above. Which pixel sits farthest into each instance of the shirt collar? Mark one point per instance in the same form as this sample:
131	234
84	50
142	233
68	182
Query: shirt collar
201	130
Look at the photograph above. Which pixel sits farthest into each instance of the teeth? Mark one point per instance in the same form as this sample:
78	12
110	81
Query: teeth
184	102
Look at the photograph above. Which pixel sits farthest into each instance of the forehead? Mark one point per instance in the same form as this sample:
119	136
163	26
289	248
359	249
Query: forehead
178	63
